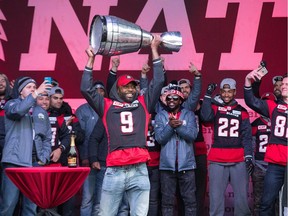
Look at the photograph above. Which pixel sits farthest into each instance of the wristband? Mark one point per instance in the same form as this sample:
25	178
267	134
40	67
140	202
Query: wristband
88	68
198	75
61	148
113	72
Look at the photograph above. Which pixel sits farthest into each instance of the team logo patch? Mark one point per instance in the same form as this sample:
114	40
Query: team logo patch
184	123
116	103
282	107
41	116
222	109
236	112
262	127
67	118
52	120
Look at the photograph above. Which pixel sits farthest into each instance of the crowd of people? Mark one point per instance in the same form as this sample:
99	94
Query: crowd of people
144	143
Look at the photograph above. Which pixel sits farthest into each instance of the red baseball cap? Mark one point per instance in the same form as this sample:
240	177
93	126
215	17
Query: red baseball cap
125	79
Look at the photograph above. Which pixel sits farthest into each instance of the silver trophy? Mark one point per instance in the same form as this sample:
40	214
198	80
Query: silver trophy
110	35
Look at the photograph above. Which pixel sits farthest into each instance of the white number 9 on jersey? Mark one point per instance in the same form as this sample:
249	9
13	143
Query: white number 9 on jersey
126	122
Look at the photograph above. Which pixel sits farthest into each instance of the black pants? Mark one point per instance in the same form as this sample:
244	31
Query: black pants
201	173
187	188
155	193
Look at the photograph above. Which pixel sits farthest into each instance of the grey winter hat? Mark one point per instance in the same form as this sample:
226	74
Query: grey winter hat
228	83
181	81
56	90
23	82
164	89
276	79
98	84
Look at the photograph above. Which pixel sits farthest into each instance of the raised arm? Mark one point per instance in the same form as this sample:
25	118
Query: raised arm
256	104
95	100
194	96
156	84
144	82
206	112
112	76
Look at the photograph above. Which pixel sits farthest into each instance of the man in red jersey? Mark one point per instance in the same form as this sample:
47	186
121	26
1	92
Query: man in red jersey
231	152
125	115
261	129
60	143
276	152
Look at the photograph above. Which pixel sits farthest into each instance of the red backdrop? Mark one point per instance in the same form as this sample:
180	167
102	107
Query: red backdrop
224	38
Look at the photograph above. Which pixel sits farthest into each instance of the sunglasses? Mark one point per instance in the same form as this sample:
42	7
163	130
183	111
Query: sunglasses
175	98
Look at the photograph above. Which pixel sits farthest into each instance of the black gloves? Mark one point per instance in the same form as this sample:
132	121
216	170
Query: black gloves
210	89
249	165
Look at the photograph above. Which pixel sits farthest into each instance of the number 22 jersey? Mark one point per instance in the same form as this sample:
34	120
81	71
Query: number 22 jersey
230	124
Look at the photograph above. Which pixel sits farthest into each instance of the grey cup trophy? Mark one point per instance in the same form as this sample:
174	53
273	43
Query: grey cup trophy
110	35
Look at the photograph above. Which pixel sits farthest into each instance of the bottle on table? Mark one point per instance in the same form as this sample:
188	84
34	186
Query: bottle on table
72	155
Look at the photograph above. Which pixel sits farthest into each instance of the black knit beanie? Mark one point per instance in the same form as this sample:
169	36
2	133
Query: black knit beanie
23	82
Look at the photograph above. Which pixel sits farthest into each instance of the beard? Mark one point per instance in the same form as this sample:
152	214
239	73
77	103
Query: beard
172	109
185	94
277	93
126	99
2	92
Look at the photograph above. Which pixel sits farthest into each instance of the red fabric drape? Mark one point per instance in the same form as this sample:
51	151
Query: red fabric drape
48	187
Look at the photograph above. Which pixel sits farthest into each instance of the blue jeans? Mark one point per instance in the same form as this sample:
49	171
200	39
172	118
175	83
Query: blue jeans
91	193
273	181
10	195
124	207
132	179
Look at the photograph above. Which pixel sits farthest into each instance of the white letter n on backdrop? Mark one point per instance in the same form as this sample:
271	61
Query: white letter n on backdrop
69	26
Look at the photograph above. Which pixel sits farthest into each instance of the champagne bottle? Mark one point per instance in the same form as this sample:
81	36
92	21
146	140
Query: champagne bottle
72	155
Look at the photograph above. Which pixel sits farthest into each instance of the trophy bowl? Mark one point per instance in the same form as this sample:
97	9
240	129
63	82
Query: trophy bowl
110	35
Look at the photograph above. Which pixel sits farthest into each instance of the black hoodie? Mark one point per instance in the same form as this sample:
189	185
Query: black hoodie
116	115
